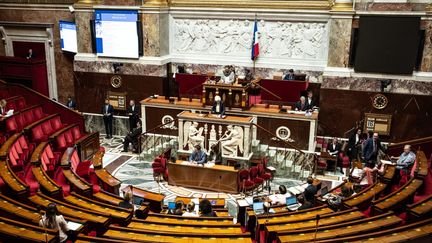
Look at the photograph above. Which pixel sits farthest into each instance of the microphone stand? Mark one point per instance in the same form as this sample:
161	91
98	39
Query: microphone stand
43	224
316	226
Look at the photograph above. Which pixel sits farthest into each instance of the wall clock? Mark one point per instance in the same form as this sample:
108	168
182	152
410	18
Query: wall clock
116	81
379	101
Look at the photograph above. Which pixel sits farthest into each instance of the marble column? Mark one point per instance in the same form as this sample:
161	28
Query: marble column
83	15
340	38
155	26
426	64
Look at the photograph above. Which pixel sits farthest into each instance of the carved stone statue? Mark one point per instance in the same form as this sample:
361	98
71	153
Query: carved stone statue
192	135
232	140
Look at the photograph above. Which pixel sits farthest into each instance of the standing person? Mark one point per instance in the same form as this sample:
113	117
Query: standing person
371	149
133	113
71	104
53	221
310	100
354	143
30	54
107	111
132	137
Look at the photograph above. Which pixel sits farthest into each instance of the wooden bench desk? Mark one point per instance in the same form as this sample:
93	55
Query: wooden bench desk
179	220
47	184
145	235
17	186
362	199
397	199
120	215
109	180
390	171
420	210
21	232
217	178
155	199
216	202
77	183
107	197
422	165
371	224
97	219
4	149
231	229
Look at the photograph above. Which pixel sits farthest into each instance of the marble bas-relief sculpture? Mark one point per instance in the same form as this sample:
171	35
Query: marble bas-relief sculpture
233	37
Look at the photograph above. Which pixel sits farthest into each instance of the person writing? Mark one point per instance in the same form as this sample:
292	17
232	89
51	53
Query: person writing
53	221
215	155
198	156
301	104
132	137
218	106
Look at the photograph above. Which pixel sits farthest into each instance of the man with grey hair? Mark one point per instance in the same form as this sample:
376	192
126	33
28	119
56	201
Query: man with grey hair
301	104
406	160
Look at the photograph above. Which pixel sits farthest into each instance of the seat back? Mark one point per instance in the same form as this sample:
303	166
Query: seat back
253	172
76	133
56	123
38	113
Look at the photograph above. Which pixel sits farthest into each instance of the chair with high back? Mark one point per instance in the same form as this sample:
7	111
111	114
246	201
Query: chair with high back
244	181
255	178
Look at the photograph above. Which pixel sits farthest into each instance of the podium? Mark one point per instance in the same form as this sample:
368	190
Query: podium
233	134
233	95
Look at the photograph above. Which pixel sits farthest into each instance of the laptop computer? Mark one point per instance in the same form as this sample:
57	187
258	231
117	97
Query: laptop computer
171	205
292	204
258	207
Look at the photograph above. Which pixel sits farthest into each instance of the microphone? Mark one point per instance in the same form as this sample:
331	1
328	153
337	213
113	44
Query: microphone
316	226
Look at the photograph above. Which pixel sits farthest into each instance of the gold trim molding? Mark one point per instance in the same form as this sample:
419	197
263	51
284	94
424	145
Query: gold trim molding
156	3
89	2
429	8
265	4
342	6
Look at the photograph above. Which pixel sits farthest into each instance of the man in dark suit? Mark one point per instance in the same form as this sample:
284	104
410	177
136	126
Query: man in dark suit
354	143
310	100
333	148
310	190
30	54
132	137
371	149
301	104
290	75
218	106
215	155
133	113
71	103
108	112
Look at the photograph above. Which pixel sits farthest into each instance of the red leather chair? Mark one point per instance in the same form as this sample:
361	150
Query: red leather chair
158	171
255	178
56	123
47	128
76	133
30	180
60	179
61	143
54	157
244	182
20	103
321	166
38	113
69	138
266	176
28	117
11	125
38	134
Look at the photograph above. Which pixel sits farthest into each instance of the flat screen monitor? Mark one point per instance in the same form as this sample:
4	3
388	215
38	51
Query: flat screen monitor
291	200
387	44
68	36
258	206
116	33
171	205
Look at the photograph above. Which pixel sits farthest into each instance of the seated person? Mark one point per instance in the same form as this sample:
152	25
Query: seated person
205	208
335	200
215	155
289	75
228	75
304	204
301	104
218	106
364	177
310	191
126	203
132	137
3	110
190	210
280	197
178	210
198	156
53	220
405	161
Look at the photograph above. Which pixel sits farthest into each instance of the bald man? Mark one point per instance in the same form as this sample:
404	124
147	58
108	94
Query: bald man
406	160
301	105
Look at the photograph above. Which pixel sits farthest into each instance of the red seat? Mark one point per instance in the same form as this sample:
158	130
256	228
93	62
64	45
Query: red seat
30	180
38	134
83	168
56	123
38	113
76	133
28	117
60	179
254	176
20	103
244	182
69	138
61	142
11	125
47	128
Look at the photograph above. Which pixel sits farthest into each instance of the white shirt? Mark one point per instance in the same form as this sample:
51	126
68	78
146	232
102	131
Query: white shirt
190	214
279	198
60	224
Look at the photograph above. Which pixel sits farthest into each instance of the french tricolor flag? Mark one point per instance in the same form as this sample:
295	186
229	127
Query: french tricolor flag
255	44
